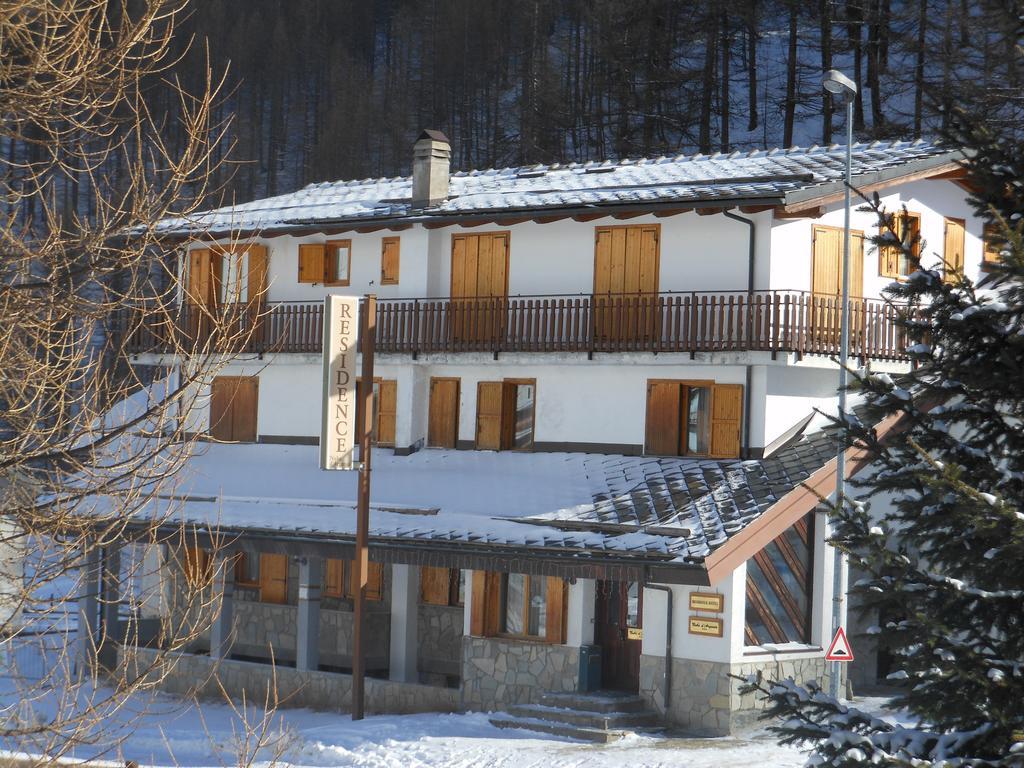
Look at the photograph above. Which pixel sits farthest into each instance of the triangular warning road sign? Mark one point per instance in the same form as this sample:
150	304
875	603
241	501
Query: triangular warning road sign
840	649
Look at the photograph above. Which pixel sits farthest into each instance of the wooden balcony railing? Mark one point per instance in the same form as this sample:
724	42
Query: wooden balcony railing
764	321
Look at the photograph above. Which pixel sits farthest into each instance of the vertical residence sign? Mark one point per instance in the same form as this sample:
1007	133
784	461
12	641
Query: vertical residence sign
338	427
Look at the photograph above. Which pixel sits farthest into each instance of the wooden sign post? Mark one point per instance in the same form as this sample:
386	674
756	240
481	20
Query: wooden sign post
362	564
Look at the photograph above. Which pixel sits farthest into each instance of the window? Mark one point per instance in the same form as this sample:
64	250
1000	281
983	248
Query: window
339	579
518	605
247	570
505	412
893	260
442	586
197	566
385	411
693	418
327	263
273	578
234	283
227	275
991	245
389	261
779	587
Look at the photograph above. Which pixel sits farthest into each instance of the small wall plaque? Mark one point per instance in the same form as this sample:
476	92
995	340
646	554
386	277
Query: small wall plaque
634	633
704	625
703	601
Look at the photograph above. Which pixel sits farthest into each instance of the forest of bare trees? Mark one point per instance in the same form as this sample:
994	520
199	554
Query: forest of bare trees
329	89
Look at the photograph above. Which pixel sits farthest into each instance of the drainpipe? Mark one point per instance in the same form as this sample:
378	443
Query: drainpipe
668	640
750	300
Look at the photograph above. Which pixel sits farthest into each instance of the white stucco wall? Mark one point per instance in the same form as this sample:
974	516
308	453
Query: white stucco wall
791	240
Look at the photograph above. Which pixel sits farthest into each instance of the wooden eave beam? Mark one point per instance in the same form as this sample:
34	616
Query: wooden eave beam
805	213
755	208
585	217
671	212
550	219
629	215
712	211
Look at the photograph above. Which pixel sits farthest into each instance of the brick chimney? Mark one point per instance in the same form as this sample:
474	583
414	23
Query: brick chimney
431	160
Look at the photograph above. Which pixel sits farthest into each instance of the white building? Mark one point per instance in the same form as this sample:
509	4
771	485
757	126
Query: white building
653	335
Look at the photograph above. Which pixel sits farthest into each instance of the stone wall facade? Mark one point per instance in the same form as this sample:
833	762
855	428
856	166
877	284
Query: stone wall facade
188	674
439	642
705	701
497	672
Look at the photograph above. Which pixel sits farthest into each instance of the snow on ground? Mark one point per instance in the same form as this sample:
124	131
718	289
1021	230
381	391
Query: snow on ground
161	730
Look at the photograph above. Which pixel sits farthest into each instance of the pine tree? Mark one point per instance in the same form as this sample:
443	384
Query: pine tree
944	562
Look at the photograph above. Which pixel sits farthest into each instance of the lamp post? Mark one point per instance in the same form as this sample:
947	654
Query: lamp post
839	85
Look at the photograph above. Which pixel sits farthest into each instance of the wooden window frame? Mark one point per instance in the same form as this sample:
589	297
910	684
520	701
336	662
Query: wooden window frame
509	445
502	605
242	560
989	251
885	250
330	278
803	621
452	592
485	606
685	385
385	278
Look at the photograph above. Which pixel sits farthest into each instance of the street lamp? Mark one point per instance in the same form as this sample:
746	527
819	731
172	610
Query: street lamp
840	86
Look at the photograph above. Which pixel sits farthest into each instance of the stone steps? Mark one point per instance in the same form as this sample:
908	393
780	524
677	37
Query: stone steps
598	717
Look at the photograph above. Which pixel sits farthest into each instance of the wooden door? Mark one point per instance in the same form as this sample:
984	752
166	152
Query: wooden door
489	412
827	281
443	417
726	417
953	250
234	401
479	286
664	411
618	628
626	265
273	578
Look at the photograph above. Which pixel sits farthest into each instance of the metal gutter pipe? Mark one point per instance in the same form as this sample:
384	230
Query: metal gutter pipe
668	639
751	251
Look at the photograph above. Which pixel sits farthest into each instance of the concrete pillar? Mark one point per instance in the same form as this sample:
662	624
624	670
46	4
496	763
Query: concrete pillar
87	637
405	592
582	599
467	613
307	637
222	629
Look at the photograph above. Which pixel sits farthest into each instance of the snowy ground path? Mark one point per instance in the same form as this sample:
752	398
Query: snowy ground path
160	730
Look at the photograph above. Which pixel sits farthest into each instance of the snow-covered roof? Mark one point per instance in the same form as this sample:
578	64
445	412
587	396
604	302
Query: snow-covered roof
673	511
774	177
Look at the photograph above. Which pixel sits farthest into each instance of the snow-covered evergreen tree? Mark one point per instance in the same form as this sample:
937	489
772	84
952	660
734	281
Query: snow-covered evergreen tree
945	563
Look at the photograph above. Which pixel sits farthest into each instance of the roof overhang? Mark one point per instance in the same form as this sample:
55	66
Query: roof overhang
867	183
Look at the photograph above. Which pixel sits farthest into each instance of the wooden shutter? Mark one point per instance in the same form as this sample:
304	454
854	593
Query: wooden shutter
311	262
197	566
389	261
826	261
478	605
488	415
443	417
953	249
663	414
386	412
257	277
200	288
435	585
222	391
244	408
273	578
374	580
556	607
726	416
334	577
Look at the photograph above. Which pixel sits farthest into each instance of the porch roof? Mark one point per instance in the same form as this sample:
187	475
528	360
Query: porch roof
778	177
467	508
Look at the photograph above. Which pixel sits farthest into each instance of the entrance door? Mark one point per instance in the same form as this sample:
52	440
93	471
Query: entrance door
443	417
827	282
618	630
505	414
625	281
479	286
